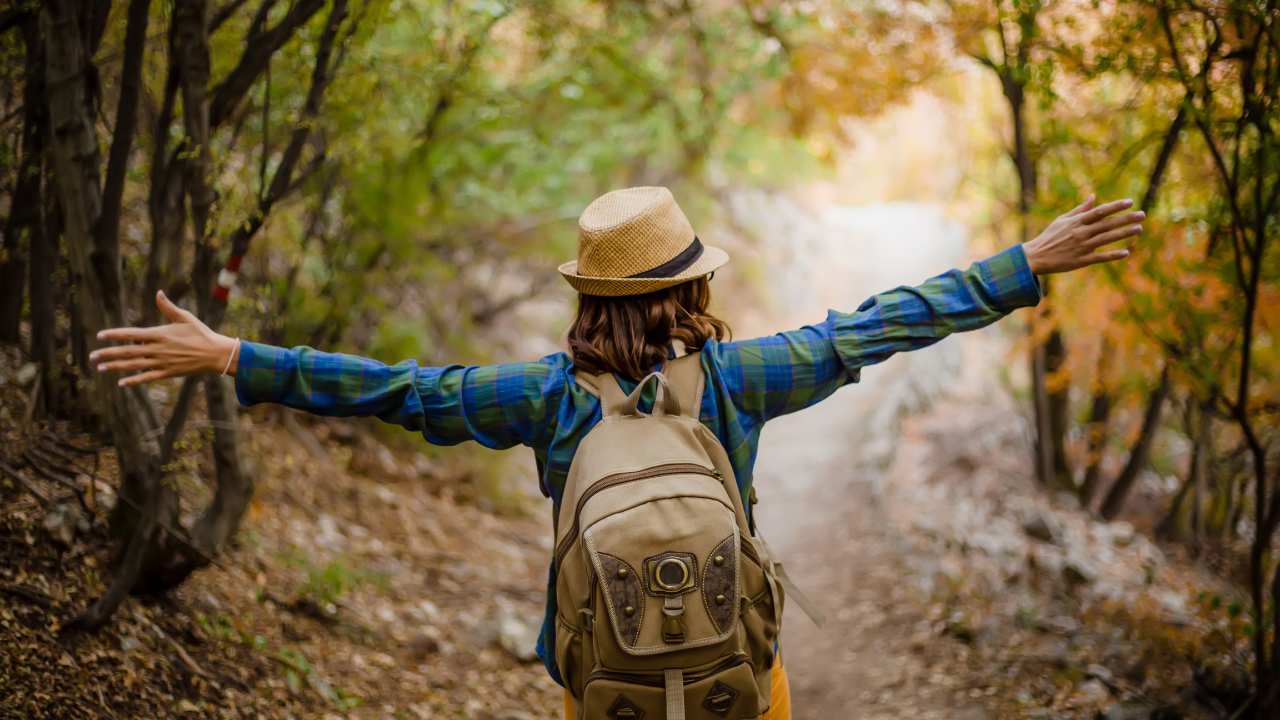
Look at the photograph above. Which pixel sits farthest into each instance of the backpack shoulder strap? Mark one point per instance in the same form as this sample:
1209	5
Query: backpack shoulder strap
604	386
685	377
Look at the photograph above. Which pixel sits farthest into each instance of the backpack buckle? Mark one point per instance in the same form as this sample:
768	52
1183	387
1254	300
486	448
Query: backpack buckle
673	620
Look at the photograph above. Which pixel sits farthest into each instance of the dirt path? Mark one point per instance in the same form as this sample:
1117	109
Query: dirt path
820	476
878	655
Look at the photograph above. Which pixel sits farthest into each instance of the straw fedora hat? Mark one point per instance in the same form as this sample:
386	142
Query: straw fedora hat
636	241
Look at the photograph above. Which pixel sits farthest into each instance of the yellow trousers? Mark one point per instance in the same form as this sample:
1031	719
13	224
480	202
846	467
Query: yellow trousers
779	692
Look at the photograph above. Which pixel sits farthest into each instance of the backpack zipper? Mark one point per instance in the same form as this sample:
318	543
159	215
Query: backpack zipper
617	479
657	680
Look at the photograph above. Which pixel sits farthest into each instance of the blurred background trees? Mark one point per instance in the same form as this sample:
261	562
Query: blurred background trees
398	177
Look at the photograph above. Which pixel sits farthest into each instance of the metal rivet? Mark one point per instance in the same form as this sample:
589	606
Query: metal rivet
629	610
720	599
719	559
622	572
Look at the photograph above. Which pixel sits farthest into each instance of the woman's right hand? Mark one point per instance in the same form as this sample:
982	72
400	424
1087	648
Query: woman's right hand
1076	239
185	346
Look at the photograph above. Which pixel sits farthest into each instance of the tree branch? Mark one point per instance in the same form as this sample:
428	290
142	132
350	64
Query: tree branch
223	14
259	46
107	233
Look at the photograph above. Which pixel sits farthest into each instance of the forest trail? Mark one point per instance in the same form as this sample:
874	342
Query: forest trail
821	474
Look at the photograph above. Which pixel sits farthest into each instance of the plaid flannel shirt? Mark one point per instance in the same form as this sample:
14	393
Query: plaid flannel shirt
539	404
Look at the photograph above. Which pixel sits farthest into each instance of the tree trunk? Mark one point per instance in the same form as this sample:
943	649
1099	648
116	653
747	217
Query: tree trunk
1175	524
191	42
44	261
164	201
222	517
1269	687
234	487
76	166
1040	416
1059	406
1235	506
1123	485
1013	93
24	222
1049	405
1184	522
1096	429
1200	471
13	260
107	230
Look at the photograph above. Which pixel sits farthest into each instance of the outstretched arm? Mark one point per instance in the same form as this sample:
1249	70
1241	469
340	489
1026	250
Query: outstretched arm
789	371
498	406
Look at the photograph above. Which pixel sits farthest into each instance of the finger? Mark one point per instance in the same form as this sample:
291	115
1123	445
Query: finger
1120	233
1105	257
146	377
1088	203
171	311
1104	210
120	352
1112	223
143	363
128	334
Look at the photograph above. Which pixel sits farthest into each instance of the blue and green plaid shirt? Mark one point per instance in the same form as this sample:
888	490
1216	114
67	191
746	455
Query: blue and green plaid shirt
539	404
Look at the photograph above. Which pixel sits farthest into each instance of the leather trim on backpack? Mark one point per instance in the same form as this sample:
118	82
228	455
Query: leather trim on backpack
624	590
721	580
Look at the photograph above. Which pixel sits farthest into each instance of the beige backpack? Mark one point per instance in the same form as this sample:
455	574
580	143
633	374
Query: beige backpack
668	605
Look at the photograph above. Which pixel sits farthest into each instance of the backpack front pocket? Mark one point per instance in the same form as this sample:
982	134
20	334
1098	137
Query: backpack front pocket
725	690
667	582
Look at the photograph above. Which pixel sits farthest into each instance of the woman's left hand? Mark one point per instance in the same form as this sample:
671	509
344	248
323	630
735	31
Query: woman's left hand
1075	240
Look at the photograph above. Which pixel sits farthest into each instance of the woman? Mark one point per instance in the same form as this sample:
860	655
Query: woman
643	282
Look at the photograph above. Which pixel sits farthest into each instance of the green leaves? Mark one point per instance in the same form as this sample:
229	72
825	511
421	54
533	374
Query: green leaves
463	138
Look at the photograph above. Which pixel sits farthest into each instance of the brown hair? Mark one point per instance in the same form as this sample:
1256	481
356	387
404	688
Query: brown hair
629	335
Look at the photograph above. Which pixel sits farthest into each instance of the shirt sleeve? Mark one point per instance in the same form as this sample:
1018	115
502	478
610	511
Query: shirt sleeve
788	371
498	406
